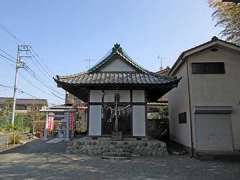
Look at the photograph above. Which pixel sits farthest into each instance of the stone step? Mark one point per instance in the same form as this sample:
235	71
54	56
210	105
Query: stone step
118	152
116	155
120	149
115	158
117	148
122	154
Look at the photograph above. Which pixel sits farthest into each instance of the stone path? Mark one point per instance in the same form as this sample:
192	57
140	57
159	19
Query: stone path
41	160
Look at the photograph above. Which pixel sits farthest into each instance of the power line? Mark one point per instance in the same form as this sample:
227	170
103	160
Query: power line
10	33
7	59
5	86
29	82
43	69
34	53
24	92
43	65
57	96
21	91
9	55
37	78
33	74
29	70
36	56
40	68
18	89
43	91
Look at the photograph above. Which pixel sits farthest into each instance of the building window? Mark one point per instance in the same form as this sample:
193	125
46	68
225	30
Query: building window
182	118
208	68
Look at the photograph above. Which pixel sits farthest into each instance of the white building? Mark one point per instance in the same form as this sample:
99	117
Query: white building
117	90
205	107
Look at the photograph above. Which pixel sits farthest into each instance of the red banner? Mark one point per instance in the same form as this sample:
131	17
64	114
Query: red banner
50	123
71	120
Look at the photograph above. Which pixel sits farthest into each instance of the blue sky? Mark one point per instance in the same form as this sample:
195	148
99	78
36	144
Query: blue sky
67	32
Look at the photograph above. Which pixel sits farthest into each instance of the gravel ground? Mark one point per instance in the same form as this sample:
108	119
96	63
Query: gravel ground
41	160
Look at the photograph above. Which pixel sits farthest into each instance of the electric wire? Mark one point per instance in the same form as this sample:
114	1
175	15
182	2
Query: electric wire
7	59
9	55
31	73
35	55
21	91
5	29
36	87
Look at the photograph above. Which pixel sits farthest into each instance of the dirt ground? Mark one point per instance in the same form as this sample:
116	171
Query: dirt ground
41	160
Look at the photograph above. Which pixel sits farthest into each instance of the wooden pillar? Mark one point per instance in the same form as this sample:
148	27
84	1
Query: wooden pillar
46	127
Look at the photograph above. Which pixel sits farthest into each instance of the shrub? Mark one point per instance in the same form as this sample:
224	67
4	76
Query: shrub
14	138
4	121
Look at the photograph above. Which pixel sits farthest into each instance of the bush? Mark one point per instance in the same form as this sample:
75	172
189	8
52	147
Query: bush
4	122
2	129
14	138
22	123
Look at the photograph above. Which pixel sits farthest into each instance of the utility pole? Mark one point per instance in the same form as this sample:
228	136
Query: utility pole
19	64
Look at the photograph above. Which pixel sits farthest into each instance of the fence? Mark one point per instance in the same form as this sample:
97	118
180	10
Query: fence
4	141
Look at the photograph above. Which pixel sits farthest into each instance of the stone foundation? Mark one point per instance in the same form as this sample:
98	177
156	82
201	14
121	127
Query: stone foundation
132	147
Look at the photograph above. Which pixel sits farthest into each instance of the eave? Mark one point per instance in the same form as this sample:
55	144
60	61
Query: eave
153	91
213	42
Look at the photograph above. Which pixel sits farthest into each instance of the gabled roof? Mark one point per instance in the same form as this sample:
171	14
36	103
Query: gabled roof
116	50
213	42
80	84
95	77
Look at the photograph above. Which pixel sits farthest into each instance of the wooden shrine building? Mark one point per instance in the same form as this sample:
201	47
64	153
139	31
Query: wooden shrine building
117	91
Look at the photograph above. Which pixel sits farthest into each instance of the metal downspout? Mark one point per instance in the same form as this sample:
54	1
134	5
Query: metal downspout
190	110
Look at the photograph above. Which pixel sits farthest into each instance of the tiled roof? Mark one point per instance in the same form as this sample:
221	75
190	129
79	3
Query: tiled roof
116	50
25	101
116	78
164	72
94	76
